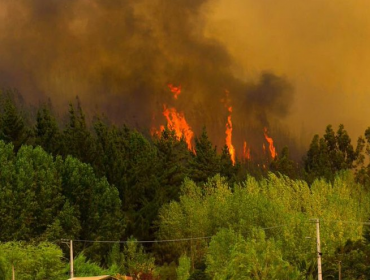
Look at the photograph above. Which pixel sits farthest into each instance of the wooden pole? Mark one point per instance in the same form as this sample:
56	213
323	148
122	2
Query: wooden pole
340	270
71	257
13	272
319	269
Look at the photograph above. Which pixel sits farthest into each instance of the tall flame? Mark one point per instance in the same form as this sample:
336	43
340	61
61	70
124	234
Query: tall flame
229	131
176	121
271	144
246	151
175	90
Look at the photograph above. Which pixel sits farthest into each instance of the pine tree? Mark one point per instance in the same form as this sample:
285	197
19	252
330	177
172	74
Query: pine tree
77	139
173	164
205	162
227	169
284	165
12	126
46	131
329	154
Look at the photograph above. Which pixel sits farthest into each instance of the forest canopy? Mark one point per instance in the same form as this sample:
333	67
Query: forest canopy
170	212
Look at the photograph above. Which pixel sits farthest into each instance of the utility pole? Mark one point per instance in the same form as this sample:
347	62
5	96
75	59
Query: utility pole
319	270
70	245
71	256
340	270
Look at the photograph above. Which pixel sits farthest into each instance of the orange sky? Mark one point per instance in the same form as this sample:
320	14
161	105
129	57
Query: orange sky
321	46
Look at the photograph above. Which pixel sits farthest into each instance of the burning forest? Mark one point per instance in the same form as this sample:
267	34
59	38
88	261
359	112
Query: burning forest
169	139
148	65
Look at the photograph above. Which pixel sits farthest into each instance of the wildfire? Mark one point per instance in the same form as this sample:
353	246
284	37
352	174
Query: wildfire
246	151
176	121
229	132
175	90
271	144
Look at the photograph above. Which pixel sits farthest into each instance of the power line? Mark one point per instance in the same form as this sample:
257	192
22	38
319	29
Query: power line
201	237
161	241
143	241
346	222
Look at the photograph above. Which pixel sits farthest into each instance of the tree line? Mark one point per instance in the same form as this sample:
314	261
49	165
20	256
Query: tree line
98	181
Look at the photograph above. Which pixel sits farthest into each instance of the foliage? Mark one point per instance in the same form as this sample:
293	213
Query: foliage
205	162
352	257
136	261
32	262
281	205
230	256
12	125
30	190
83	267
329	154
183	269
284	165
42	198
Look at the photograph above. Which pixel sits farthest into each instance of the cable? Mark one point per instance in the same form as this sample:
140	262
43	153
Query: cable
159	241
197	238
275	226
347	222
143	241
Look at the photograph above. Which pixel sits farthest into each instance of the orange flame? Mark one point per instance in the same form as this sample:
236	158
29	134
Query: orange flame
175	90
229	131
229	127
271	144
176	121
246	151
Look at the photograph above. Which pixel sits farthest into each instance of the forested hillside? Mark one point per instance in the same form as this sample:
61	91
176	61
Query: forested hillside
171	212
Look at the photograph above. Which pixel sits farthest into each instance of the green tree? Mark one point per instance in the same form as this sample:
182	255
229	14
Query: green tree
363	171
84	267
173	165
284	165
77	139
354	258
12	124
205	162
227	168
96	203
329	154
137	262
183	270
46	131
33	262
30	192
230	256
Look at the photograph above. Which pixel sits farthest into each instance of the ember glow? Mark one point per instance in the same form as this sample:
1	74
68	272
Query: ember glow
175	90
271	144
246	151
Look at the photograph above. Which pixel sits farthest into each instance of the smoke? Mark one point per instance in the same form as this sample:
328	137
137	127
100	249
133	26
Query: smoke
119	56
322	46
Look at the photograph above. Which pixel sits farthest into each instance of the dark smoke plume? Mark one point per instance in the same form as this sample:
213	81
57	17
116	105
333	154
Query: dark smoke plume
119	55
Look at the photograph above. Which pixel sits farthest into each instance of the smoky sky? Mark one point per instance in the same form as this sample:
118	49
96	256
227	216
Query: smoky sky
118	56
321	46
